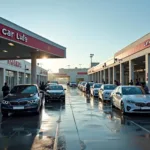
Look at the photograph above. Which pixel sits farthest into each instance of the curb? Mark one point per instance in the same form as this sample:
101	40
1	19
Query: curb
57	131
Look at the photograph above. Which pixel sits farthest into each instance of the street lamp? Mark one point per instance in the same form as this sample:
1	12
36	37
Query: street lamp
91	56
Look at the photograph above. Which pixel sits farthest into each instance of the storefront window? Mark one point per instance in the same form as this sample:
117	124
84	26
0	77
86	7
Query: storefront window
10	78
27	78
20	78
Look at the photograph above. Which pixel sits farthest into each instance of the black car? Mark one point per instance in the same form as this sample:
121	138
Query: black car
73	84
22	98
55	93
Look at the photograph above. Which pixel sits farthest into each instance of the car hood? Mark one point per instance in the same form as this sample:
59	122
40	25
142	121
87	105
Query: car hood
95	89
12	97
138	98
55	91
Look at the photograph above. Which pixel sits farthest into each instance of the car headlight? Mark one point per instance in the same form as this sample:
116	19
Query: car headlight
5	102
130	102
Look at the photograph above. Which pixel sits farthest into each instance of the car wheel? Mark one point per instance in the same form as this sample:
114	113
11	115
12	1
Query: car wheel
122	108
5	114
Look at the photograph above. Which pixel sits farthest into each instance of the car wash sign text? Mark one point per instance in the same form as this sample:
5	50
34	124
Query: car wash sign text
16	35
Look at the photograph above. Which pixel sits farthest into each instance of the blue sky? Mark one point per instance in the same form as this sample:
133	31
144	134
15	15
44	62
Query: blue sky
101	27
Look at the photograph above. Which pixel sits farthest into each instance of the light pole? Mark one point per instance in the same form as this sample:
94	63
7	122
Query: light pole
91	56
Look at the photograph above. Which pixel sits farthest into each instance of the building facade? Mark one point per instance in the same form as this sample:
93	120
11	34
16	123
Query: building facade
130	63
19	72
75	74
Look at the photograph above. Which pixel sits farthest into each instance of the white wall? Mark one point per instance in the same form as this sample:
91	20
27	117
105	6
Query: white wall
73	73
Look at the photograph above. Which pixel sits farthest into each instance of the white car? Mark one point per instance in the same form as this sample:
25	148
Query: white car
82	86
105	91
131	99
95	88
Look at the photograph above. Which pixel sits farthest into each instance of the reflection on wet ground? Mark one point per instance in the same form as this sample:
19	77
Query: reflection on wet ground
89	124
29	131
86	123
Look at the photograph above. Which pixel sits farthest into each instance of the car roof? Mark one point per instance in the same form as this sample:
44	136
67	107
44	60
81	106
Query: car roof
26	85
109	84
97	83
129	86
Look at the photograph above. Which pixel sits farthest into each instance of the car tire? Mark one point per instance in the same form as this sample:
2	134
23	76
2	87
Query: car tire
122	109
5	114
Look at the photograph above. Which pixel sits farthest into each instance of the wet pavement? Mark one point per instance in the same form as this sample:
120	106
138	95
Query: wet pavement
85	124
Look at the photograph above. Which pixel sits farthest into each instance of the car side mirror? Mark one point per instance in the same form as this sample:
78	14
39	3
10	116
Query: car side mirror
64	89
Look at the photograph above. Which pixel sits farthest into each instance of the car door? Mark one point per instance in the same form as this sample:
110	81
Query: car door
118	97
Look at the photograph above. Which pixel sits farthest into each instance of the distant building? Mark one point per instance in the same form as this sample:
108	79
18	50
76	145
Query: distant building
72	74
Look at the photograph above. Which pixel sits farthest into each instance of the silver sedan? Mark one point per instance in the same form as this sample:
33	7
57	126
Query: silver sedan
105	91
131	99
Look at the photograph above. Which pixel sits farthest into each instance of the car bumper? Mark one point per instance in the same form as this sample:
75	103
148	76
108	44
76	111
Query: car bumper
31	108
54	98
136	109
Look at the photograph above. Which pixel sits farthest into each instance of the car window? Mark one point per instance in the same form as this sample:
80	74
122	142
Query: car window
24	90
97	85
55	88
109	87
131	91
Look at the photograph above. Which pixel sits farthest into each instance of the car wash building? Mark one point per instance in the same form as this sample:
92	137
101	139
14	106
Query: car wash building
17	44
130	63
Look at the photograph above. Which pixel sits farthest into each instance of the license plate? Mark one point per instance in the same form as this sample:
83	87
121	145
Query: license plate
145	108
18	107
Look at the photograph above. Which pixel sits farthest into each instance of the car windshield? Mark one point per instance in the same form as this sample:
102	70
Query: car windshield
97	85
131	91
109	87
24	89
55	88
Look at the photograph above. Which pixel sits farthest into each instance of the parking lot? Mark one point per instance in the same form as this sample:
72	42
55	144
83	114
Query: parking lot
83	124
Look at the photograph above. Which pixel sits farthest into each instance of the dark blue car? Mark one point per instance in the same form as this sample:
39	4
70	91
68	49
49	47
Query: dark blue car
22	98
